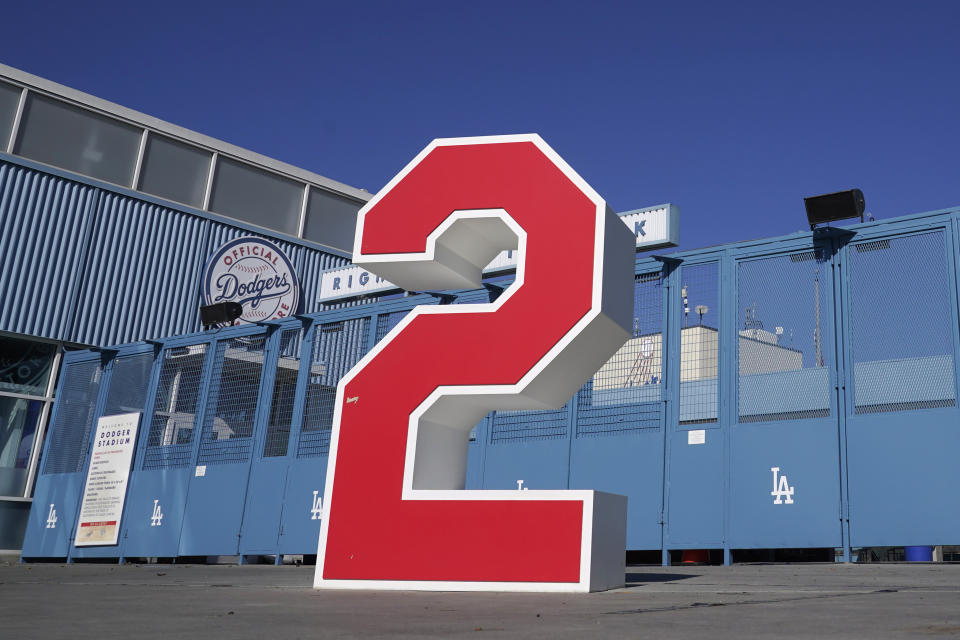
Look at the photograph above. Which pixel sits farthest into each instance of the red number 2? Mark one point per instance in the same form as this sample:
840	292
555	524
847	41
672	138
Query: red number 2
397	516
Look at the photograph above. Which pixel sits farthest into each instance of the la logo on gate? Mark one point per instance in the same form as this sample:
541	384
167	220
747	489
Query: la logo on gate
52	518
317	508
782	490
156	518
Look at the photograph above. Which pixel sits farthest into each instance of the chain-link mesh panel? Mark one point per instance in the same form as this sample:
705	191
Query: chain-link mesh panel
699	343
784	337
538	424
129	384
624	395
284	392
477	296
337	347
175	407
387	321
901	336
232	400
70	430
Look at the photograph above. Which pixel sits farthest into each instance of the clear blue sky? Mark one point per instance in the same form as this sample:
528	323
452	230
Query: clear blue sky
734	111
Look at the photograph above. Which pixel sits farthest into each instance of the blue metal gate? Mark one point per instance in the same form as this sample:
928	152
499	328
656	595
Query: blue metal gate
332	348
900	386
784	468
268	477
157	496
696	424
124	389
60	482
218	485
618	441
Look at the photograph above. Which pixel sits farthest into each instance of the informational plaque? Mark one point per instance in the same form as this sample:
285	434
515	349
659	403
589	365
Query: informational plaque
107	477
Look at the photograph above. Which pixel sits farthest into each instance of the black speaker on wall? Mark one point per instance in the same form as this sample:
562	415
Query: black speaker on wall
220	313
834	206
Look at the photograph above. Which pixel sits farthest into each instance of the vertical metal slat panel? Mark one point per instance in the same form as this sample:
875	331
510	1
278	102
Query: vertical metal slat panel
142	273
309	267
222	233
43	224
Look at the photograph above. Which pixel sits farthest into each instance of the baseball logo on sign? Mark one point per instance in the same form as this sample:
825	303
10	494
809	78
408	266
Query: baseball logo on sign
256	274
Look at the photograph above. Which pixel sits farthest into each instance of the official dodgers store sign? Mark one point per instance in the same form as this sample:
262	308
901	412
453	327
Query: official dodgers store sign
255	273
398	450
653	228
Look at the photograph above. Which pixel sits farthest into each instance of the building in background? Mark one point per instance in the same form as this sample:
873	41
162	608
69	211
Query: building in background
107	219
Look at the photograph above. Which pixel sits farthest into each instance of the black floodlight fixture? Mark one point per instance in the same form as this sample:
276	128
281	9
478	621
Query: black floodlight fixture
220	313
834	206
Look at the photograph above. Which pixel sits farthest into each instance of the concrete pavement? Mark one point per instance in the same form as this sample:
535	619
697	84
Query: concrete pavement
261	601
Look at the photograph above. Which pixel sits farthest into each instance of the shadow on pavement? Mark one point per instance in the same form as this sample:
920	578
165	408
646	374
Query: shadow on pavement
634	579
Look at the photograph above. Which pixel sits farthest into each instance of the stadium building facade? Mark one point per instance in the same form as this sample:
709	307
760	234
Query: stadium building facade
107	218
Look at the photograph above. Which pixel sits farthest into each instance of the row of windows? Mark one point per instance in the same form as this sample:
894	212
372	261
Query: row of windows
27	373
73	138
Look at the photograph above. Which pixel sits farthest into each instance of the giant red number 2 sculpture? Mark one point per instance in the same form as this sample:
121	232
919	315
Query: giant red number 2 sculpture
397	515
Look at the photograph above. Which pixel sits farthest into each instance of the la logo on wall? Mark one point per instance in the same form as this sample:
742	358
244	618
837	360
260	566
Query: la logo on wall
782	490
255	273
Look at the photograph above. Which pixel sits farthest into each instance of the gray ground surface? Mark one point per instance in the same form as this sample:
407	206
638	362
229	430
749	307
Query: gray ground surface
743	601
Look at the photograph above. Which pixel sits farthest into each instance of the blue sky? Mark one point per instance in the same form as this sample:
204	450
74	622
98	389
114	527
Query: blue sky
732	111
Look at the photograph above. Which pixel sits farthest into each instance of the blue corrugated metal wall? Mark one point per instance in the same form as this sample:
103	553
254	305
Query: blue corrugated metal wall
44	223
310	265
142	271
87	264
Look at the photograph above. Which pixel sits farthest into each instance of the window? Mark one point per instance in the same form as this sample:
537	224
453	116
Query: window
9	99
26	369
247	193
25	365
78	140
174	170
331	219
18	424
